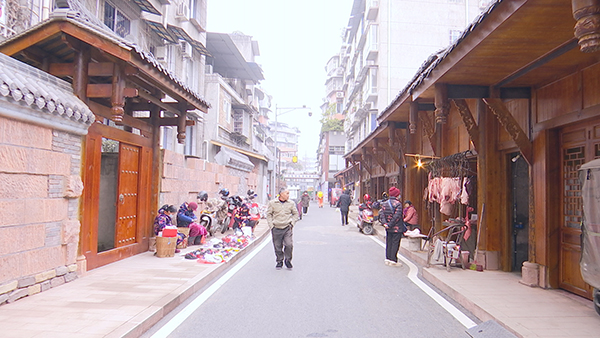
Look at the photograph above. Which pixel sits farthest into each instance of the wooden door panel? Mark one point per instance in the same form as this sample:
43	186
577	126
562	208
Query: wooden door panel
127	194
575	152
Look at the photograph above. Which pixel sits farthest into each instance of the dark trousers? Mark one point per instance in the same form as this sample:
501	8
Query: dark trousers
304	210
344	216
283	243
392	244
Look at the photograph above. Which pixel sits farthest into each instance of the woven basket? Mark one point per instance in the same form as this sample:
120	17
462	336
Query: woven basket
165	246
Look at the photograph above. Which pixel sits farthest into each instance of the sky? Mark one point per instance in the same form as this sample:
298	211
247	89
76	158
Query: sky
295	39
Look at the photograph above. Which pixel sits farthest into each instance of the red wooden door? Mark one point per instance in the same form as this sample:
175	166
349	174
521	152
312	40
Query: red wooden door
127	195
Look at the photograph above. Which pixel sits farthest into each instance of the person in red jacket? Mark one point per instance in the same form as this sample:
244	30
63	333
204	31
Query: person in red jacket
411	218
393	221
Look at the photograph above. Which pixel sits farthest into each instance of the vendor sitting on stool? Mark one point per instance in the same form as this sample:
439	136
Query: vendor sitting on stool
164	219
411	218
187	219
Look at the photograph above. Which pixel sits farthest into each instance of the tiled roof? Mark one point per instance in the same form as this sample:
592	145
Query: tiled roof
40	90
87	21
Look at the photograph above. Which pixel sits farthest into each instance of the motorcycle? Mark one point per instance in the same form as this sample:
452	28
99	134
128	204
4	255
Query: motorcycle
365	218
233	203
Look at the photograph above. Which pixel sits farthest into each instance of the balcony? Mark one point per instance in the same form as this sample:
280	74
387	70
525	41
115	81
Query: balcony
372	9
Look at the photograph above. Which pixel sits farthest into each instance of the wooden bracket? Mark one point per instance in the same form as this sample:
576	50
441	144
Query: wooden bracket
428	129
468	120
511	126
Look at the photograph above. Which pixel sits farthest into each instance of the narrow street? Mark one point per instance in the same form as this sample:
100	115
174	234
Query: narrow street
339	287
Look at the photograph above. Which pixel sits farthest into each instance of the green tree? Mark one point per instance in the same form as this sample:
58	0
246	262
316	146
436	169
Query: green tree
329	122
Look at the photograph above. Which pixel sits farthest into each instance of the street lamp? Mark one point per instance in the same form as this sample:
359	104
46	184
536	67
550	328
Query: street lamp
277	153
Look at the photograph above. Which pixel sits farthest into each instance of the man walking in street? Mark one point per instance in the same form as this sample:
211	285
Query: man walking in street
344	205
282	214
305	199
391	217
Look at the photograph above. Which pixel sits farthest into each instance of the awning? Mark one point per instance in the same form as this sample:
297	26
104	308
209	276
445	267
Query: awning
160	30
231	158
245	152
146	6
183	35
229	61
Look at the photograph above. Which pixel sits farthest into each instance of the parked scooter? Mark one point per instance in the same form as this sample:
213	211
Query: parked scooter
233	203
365	216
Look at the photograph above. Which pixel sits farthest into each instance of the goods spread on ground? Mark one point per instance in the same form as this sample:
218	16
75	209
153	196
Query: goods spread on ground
219	250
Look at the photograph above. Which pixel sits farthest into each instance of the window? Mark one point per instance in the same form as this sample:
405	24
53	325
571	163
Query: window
190	141
167	138
336	150
116	21
373	121
227	110
238	121
454	35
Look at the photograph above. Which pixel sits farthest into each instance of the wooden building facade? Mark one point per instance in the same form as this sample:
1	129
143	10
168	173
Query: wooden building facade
129	93
513	105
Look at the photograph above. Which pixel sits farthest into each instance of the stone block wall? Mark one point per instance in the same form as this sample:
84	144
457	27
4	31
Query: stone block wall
182	178
40	186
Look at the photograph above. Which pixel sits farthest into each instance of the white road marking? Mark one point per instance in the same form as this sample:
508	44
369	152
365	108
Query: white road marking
179	318
413	276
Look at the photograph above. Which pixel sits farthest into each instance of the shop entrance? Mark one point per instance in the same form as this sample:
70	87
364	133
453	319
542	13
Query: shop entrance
579	144
117	195
519	182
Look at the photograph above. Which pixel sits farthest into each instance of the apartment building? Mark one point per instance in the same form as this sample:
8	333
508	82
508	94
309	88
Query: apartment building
384	44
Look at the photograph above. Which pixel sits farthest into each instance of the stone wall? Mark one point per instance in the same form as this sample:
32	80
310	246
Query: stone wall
40	186
182	178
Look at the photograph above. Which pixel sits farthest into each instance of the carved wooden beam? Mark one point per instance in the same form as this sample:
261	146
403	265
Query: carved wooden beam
105	112
442	105
429	130
168	121
468	120
587	28
512	127
380	160
170	107
393	154
95	90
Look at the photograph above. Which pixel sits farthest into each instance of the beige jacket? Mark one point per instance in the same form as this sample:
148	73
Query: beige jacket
280	215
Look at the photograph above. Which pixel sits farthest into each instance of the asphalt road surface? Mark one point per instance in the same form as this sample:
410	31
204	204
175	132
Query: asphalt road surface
339	287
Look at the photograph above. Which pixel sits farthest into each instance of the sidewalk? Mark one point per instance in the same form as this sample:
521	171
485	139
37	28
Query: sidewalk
497	295
126	298
122	299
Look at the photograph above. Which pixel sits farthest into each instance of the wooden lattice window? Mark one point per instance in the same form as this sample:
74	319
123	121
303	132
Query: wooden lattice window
573	158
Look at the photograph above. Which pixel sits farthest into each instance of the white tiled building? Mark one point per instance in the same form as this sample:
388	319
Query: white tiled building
384	44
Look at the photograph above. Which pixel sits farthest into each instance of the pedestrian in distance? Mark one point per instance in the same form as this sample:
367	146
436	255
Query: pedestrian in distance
282	215
344	203
391	217
411	217
320	198
305	200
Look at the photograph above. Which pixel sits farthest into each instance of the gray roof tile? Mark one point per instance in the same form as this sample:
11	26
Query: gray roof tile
38	90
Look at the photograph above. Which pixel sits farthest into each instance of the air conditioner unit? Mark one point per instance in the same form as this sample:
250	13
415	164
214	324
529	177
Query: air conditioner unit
183	11
186	49
483	4
160	54
339	95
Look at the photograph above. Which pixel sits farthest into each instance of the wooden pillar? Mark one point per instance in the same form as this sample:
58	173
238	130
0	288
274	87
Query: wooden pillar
587	28
413	188
117	99
80	73
157	161
492	189
181	122
442	105
544	223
